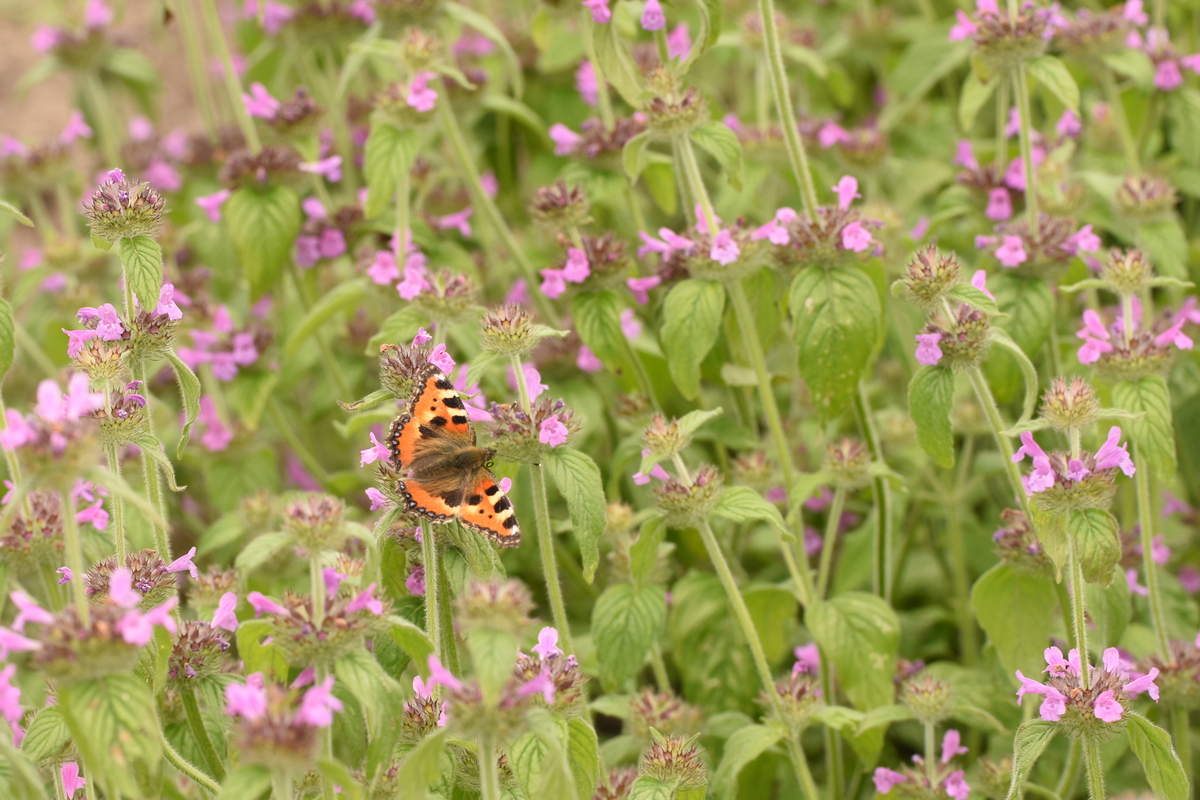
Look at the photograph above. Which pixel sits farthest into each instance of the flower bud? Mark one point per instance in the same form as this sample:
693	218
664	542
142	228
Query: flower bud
965	340
450	299
1001	43
510	331
1128	272
995	777
848	462
799	695
343	626
316	522
104	362
198	652
673	111
125	416
205	591
665	439
1017	545
930	275
1094	35
1070	404
560	206
149	577
685	505
674	760
617	784
661	711
927	697
516	433
1145	198
495	605
270	165
36	536
119	208
1178	675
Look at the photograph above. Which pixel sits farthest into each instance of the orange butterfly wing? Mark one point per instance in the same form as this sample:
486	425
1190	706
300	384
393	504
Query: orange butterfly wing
435	412
420	500
488	510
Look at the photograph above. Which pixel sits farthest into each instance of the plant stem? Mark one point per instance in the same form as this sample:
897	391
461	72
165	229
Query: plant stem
807	785
75	557
196	723
429	553
1031	196
154	487
489	773
108	134
882	547
783	106
186	767
1079	616
281	785
1095	770
317	588
832	523
1146	520
118	504
930	753
1115	107
659	666
541	514
984	394
968	641
306	301
1070	771
298	447
690	168
481	200
1000	157
193	47
1034	788
233	87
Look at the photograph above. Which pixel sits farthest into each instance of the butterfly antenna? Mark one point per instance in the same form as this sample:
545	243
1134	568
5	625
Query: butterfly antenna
508	457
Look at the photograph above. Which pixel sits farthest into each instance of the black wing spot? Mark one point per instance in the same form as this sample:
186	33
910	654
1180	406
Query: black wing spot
459	419
453	498
474	500
501	505
453	402
428	431
491	490
438	421
511	522
443	384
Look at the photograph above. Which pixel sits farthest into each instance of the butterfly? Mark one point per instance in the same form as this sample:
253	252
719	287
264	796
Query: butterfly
444	475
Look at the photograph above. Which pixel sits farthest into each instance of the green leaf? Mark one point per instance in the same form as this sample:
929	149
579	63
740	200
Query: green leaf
263	225
1054	75
259	551
422	765
1108	609
19	779
692	313
976	717
743	504
8	208
930	58
343	299
1133	64
597	318
860	634
1152	745
578	480
1031	739
503	104
837	324
646	788
143	261
539	759
1017	613
478	552
1153	433
1028	372
660	182
966	293
635	155
1029	304
390	153
722	144
47	735
412	640
643	553
114	725
1183	106
258	657
1166	244
399	328
973	98
773	612
189	393
583	753
484	25
152	447
616	64
930	400
884	716
625	623
1097	543
745	745
341	777
8	338
364	678
493	653
245	783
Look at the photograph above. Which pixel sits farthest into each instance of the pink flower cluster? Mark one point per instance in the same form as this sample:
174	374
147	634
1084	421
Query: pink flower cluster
54	415
1098	339
953	783
222	348
251	700
575	270
1045	476
1104	704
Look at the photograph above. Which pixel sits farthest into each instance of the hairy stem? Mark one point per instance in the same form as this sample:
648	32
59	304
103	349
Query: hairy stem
489	773
882	572
429	553
120	544
984	394
968	641
832	523
931	754
193	47
298	447
603	100
1031	196
1112	94
185	767
1079	616
1066	781
75	557
1146	521
281	785
1095	769
196	724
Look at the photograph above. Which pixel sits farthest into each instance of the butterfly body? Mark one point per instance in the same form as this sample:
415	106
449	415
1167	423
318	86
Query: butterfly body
444	474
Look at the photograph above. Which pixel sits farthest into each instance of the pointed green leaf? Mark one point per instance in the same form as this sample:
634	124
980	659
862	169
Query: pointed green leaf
1017	612
860	634
1097	543
189	393
1053	74
143	261
692	313
1028	745
343	299
578	480
744	746
389	154
722	144
930	401
263	225
1153	433
1152	745
625	623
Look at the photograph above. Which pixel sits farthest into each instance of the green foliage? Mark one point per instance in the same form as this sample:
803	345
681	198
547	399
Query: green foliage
262	225
860	633
930	398
625	623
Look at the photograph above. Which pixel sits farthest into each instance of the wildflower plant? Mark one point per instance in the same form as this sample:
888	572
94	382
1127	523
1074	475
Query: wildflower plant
395	286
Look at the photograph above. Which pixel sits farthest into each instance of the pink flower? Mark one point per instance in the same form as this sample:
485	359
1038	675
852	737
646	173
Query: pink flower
216	435
587	361
951	746
963	29
600	10
1057	665
441	359
966	156
1167	76
1133	12
75	342
166	303
552	432
137	628
458	220
43	39
248	700
1084	241
383	269
1174	335
886	779
565	140
553	283
830	134
679	43
539	684
585	83
120	589
67	575
328	168
421	338
808	659
212	204
1076	471
184	562
420	95
1110	456
1144	683
652	16
1042	477
72	783
224	617
576	270
363	11
366	599
94	514
1107	708
440	676
28	611
547	646
630	325
377	499
1054	704
1014	176
415	582
1011	252
10	703
999	205
505	485
956	786
855	237
376	452
1069	125
264	605
724	250
1131	580
533	381
774	231
76	128
1189	578
658	472
1191	62
979	281
641	288
15	643
260	103
846	191
318	705
928	352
